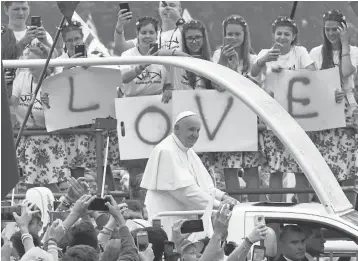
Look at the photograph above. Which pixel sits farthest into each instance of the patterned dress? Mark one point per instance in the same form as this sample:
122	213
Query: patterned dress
278	157
339	147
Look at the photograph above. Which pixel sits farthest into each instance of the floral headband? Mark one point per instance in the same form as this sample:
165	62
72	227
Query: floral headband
234	19
73	24
284	20
193	24
334	15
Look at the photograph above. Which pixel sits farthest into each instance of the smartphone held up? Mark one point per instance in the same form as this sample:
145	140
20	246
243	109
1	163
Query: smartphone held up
36	21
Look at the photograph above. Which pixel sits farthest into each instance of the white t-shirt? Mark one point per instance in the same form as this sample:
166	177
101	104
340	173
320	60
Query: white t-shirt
150	82
20	34
297	58
23	88
347	82
181	82
170	39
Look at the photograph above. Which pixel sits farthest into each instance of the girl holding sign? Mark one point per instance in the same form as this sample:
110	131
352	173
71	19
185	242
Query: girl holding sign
235	54
144	79
284	55
338	146
38	155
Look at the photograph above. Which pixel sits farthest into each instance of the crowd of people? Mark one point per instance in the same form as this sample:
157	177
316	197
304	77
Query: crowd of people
56	161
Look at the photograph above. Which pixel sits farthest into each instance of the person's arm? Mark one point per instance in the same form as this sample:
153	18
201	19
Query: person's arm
193	196
129	251
120	43
347	66
131	74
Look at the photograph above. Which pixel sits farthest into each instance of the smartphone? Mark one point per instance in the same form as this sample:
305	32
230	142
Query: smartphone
229	248
156	223
229	41
168	247
142	240
59	215
258	254
155	47
6	213
191	226
259	220
80	48
277	46
36	21
123	6
98	204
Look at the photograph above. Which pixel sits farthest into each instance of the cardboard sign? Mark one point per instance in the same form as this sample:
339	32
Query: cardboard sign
78	96
308	96
144	125
227	124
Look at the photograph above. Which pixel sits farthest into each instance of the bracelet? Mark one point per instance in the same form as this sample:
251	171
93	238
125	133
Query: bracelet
248	241
25	236
118	31
109	229
105	233
346	54
174	51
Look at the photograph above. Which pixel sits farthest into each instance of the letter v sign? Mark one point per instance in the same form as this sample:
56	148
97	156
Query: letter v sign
212	135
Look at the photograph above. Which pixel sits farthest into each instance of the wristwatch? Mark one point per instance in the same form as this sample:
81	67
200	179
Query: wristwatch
180	22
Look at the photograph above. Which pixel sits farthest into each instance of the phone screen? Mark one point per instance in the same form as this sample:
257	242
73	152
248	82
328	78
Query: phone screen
80	49
36	21
155	48
229	41
258	253
277	46
123	6
191	226
142	240
98	204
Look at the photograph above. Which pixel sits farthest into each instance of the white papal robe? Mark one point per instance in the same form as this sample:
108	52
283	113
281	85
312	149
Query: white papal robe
176	180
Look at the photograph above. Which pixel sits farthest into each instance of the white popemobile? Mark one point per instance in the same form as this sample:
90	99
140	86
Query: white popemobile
335	214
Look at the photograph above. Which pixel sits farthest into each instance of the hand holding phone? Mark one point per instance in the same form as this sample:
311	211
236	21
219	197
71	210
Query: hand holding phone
192	226
154	48
277	46
80	49
98	204
142	240
229	41
259	220
36	21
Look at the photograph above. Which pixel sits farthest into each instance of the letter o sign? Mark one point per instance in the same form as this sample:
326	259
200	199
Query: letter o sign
152	109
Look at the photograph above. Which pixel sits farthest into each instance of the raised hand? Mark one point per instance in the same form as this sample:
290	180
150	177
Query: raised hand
80	208
258	233
24	220
77	189
123	19
221	220
57	231
116	210
343	33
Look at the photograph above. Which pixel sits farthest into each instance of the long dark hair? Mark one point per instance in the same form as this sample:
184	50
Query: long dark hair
327	49
205	52
245	48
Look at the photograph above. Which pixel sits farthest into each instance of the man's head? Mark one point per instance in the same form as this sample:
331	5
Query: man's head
191	251
164	9
314	240
134	211
80	253
18	12
293	244
17	242
83	233
187	127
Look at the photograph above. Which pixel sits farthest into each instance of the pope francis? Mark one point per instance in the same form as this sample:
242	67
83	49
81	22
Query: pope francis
175	177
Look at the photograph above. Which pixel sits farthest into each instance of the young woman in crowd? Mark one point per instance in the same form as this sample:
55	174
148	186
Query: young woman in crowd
284	55
235	54
338	146
195	43
169	36
72	35
145	79
38	155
